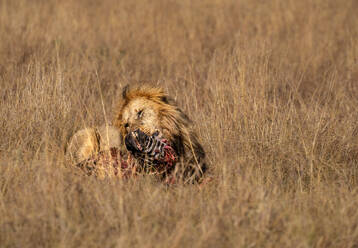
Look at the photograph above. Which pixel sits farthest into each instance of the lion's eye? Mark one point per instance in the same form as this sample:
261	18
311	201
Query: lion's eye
140	114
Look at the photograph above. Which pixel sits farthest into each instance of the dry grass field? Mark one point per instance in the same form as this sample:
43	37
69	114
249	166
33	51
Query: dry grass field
271	85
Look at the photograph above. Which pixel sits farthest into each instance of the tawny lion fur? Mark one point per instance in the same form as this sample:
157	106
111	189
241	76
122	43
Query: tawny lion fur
148	109
89	141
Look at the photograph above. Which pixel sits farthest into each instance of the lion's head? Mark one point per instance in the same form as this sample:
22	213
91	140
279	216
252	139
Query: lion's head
150	110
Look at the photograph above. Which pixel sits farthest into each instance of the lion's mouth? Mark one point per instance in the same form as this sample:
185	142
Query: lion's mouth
135	141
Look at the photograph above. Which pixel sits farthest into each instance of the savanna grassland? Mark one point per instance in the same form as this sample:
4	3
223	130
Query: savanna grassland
271	85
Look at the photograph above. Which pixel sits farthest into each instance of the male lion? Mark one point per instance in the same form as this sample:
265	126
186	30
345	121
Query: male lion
154	133
154	113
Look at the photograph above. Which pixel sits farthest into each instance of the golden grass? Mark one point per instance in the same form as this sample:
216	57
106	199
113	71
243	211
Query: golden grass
271	85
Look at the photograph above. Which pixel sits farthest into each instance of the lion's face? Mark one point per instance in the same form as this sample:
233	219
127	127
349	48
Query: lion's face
143	114
149	110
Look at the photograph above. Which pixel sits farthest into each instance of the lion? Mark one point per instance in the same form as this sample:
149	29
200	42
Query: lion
150	134
150	110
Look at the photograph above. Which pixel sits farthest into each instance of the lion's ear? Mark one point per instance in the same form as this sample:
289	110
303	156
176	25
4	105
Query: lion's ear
168	100
125	91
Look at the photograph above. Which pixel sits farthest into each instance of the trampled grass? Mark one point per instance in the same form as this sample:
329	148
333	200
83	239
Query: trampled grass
271	85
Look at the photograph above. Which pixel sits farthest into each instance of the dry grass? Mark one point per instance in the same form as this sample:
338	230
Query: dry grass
271	85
